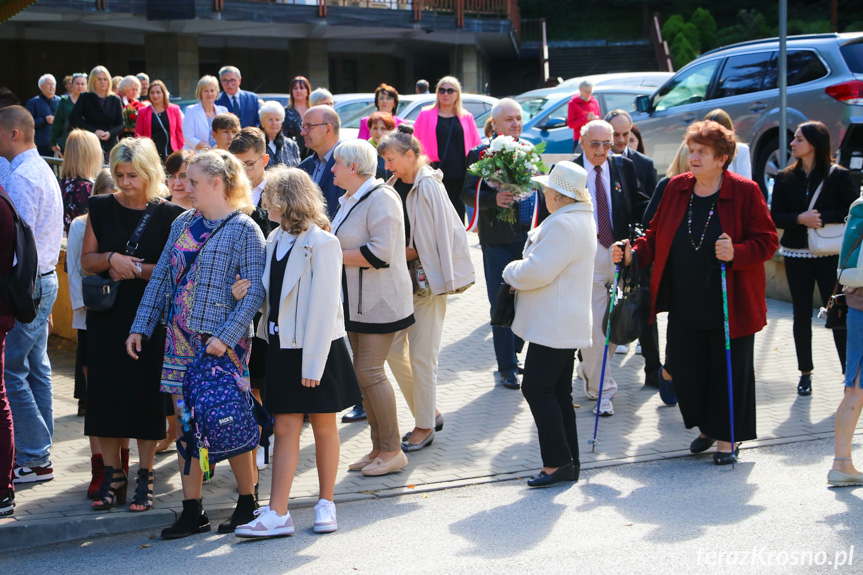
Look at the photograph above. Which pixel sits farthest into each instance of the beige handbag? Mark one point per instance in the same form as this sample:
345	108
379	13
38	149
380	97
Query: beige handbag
826	240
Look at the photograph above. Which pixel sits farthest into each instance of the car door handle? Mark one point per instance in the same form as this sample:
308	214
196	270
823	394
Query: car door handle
757	107
689	117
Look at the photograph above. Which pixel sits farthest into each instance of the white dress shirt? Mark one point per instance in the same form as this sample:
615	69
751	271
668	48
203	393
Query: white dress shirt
591	185
258	191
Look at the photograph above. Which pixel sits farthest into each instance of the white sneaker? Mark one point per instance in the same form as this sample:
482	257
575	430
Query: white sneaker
259	458
325	517
267	523
622	349
606	408
638	349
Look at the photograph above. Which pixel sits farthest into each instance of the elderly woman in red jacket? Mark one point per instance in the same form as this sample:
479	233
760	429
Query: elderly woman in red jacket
707	216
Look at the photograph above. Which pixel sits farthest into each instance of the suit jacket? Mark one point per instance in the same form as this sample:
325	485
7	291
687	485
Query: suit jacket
89	115
644	170
332	192
628	200
144	125
249	106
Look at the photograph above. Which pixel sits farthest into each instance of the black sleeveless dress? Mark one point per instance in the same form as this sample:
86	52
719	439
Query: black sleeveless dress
123	398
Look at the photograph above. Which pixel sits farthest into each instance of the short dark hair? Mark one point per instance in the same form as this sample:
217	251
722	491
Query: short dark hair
8	98
389	90
226	121
714	135
615	113
248	139
175	161
423	85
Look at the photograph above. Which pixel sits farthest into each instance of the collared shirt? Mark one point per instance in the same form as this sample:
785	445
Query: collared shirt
36	194
257	191
321	164
346	203
606	183
4	171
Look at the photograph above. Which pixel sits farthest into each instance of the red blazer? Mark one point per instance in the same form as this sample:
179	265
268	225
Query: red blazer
744	216
145	120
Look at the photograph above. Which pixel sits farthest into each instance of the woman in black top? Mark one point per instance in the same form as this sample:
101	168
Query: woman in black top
793	191
99	110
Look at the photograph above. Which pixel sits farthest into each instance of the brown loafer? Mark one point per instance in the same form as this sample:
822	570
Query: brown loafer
381	467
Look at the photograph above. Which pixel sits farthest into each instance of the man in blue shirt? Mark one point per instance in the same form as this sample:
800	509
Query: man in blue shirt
42	107
242	104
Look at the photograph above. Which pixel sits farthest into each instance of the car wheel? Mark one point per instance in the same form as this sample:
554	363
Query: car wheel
767	163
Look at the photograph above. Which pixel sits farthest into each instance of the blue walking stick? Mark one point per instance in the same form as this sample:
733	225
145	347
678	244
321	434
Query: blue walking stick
728	362
593	441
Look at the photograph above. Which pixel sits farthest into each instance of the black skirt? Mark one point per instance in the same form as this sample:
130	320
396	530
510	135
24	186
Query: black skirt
80	391
284	392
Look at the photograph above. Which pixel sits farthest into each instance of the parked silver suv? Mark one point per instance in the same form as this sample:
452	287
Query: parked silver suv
825	83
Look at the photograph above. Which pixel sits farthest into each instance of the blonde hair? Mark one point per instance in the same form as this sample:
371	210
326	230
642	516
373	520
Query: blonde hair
223	165
293	193
83	155
680	162
104	183
459	110
204	81
91	79
142	155
128	83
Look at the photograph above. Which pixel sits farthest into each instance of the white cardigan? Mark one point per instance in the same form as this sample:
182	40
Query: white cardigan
310	313
742	163
196	129
74	246
554	280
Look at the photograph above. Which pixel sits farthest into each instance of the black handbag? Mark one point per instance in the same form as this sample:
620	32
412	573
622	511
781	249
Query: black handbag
99	292
503	310
837	308
631	312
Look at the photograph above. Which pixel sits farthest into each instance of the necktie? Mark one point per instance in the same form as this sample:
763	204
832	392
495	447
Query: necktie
236	105
603	213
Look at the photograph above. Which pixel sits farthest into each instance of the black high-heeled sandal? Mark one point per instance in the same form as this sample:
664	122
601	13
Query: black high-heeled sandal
143	491
109	495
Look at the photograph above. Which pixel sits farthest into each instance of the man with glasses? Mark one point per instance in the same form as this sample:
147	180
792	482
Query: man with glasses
618	205
242	104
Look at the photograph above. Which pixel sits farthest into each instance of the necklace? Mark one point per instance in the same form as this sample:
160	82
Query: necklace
707	223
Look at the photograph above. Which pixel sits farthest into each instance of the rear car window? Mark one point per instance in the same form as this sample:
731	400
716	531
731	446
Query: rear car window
743	74
853	54
803	66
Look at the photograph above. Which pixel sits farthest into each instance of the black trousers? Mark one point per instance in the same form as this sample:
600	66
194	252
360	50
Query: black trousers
453	189
698	360
547	387
803	274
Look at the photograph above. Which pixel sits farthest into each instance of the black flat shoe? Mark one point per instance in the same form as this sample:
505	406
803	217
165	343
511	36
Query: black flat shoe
804	386
726	458
568	472
356	414
700	444
510	380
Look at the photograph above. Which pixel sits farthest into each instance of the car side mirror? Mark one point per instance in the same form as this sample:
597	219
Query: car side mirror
553	123
642	104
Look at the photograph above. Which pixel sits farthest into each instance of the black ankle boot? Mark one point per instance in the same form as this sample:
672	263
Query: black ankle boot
192	520
243	513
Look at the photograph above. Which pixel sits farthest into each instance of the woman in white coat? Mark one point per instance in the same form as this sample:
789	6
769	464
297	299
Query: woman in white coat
552	312
198	121
435	237
309	368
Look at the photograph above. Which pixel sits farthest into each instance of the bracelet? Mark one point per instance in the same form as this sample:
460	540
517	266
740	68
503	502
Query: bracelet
111	255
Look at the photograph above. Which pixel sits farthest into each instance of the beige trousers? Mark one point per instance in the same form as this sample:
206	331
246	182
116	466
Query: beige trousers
379	400
603	279
413	358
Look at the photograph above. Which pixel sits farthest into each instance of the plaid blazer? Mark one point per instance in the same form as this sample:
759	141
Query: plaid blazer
238	248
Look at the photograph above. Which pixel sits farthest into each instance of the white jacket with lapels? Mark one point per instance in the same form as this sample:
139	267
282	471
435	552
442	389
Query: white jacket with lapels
310	312
554	280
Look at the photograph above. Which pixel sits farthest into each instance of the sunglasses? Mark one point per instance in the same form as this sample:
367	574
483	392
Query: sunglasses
79	75
595	145
446	90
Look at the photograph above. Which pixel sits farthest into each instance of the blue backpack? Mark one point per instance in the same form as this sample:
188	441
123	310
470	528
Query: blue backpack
222	418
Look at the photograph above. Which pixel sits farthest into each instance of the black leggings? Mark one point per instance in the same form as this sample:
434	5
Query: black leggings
803	274
547	387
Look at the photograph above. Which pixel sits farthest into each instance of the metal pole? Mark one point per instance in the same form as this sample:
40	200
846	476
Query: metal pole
783	83
544	54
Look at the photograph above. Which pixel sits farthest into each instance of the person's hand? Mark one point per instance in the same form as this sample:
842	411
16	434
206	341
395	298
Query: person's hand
592	116
310	382
102	135
411	254
240	288
810	219
622	252
50	323
504	199
201	145
133	345
55	148
216	347
724	248
49	119
124	267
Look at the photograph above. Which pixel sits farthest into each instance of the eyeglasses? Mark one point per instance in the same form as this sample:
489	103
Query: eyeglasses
229	80
308	127
250	165
446	90
172	177
595	145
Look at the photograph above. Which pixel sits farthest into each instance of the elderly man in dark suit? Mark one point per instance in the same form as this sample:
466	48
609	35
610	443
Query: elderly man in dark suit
619	204
242	104
645	171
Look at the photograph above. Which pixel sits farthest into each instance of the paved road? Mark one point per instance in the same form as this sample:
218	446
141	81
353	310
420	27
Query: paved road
773	510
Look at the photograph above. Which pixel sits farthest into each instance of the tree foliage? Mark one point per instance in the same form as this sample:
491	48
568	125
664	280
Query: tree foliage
706	26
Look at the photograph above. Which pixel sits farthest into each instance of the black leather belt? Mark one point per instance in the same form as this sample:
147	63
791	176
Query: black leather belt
47	273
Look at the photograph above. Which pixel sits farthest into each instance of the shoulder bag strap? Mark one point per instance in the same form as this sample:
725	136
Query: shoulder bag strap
365	196
219	227
135	238
821	185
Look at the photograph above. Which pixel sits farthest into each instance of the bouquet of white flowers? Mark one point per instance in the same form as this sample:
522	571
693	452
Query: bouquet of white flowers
509	164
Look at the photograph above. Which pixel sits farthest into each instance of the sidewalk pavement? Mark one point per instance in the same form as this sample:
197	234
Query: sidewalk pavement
488	436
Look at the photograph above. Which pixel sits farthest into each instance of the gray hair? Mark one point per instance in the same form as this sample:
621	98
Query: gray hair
229	70
318	95
44	78
585	84
502	104
142	76
358	152
271	107
596	123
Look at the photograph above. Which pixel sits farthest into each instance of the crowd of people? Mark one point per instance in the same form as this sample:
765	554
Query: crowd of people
249	231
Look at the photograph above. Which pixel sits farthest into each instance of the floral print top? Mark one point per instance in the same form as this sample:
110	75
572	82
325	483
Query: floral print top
75	193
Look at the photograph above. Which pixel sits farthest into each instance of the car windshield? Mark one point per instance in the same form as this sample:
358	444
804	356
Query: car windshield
353	121
688	87
532	106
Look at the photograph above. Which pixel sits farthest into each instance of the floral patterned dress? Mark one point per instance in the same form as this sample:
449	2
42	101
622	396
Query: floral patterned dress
181	344
75	194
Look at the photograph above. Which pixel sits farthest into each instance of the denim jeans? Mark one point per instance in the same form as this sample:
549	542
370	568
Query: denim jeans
495	257
28	382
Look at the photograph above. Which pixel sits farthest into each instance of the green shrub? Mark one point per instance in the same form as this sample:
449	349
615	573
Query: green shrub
672	27
682	51
707	29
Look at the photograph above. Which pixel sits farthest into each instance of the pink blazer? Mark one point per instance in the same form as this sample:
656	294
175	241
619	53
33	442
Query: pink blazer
145	120
425	129
365	134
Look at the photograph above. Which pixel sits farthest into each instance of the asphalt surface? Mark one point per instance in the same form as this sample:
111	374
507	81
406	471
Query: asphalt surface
772	513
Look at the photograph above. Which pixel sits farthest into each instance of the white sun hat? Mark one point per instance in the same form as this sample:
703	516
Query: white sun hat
569	179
